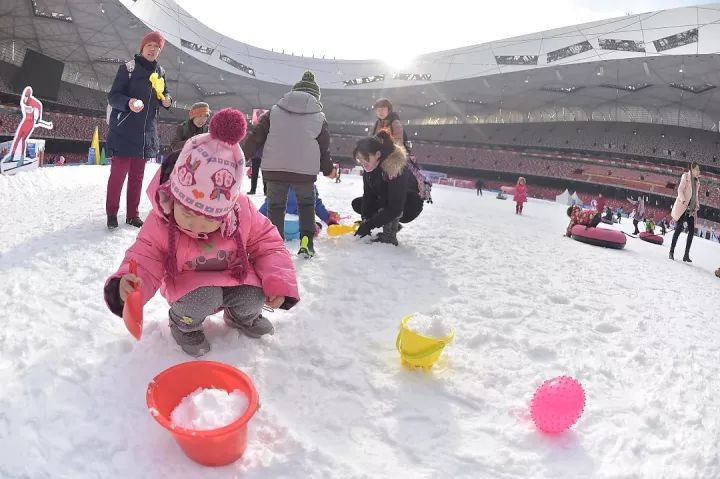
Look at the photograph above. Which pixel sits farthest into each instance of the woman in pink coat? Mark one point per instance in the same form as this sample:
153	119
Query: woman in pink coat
520	195
205	246
685	208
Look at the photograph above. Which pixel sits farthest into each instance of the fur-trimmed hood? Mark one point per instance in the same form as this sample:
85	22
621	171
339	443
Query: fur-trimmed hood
394	164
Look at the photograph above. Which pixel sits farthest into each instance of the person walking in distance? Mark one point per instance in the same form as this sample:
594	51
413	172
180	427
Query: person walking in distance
685	209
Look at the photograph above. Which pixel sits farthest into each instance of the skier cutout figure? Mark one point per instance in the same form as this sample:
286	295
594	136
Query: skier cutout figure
32	110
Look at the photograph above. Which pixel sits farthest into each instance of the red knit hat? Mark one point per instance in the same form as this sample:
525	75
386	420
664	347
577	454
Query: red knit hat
156	37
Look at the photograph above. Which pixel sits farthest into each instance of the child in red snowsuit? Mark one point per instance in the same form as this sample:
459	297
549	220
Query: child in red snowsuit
579	216
520	195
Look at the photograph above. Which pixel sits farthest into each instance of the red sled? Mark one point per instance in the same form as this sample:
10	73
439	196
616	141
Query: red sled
651	238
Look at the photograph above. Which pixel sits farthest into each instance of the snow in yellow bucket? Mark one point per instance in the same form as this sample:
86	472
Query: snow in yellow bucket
419	350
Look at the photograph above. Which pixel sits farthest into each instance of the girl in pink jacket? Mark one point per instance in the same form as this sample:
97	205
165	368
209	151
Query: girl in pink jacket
520	195
206	246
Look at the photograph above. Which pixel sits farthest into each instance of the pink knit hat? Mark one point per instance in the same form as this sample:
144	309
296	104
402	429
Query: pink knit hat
206	179
209	171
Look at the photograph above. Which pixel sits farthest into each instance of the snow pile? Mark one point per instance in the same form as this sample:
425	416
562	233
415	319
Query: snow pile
206	409
430	326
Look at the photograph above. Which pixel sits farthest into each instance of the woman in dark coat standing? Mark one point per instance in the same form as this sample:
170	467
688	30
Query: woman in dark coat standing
390	190
133	133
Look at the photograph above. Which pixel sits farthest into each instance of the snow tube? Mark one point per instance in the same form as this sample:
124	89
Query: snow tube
607	221
598	236
650	238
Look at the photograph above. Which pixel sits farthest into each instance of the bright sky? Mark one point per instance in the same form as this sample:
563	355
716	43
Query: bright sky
393	30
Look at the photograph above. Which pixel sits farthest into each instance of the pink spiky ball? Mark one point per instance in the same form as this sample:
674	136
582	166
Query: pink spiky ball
557	404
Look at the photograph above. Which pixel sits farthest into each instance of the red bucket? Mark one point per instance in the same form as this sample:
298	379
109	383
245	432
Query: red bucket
216	447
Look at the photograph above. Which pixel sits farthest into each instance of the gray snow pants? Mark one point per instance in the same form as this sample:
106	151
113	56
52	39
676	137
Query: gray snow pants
244	303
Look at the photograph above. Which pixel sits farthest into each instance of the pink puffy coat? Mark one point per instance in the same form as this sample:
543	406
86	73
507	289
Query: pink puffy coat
208	260
520	193
683	198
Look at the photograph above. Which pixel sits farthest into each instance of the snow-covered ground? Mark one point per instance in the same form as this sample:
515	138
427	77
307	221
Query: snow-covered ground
639	331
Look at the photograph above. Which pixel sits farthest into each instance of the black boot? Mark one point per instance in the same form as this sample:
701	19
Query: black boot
112	222
136	222
672	255
389	233
686	258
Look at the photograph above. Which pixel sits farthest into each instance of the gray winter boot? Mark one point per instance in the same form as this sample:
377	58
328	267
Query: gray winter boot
389	233
193	343
256	328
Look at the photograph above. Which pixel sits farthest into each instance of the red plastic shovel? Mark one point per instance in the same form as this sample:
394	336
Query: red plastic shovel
133	309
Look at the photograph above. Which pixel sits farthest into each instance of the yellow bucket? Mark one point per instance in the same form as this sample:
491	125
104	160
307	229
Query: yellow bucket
417	350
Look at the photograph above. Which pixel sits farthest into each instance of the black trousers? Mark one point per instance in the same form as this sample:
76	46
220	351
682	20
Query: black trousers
690	220
255	174
277	193
413	207
635	224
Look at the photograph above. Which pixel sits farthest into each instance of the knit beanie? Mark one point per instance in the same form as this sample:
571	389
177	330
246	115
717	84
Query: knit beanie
156	37
209	171
199	109
308	85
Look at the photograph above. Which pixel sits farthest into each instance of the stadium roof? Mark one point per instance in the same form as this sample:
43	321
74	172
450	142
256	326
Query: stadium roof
657	67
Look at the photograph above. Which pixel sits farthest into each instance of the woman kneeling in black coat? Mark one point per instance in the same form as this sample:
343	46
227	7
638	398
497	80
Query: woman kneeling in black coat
390	190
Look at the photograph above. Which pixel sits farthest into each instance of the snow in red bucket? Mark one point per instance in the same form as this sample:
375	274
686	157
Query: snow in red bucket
215	447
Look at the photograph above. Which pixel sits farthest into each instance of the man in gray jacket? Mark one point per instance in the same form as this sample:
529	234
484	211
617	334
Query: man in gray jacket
296	145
